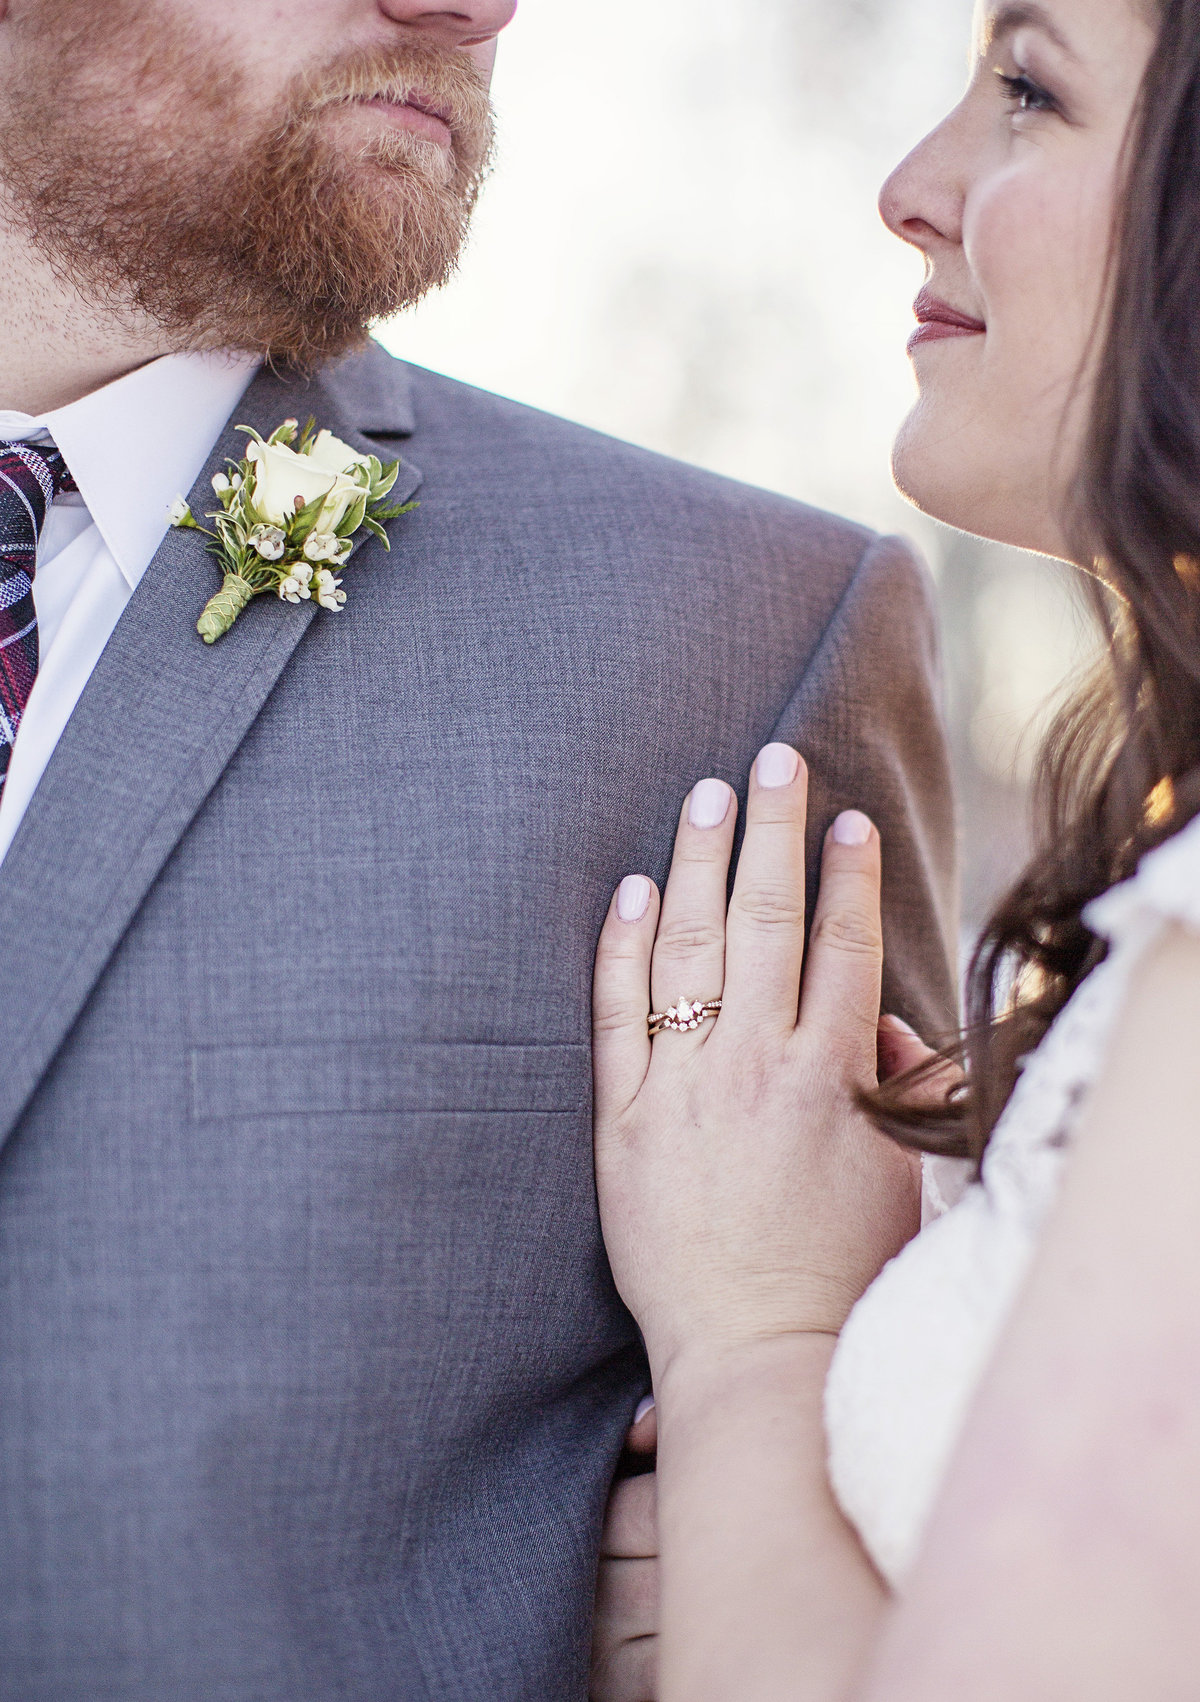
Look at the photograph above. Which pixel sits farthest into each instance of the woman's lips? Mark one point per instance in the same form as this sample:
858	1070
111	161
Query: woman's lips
937	320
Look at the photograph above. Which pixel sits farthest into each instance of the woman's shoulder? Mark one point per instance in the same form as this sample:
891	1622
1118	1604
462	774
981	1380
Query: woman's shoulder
1166	888
1036	1128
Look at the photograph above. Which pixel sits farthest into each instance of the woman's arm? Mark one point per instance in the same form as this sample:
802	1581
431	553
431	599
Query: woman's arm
1064	1557
767	1595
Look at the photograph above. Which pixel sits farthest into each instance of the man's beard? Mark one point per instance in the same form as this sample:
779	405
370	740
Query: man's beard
127	156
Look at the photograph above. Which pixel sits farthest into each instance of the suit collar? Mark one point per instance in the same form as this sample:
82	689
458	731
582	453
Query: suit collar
374	389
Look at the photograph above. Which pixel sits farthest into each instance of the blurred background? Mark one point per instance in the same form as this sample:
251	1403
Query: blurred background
680	246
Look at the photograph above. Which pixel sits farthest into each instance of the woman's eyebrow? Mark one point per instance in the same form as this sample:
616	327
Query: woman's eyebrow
1022	14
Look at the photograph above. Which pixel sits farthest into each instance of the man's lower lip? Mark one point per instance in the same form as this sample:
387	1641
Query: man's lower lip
414	120
936	331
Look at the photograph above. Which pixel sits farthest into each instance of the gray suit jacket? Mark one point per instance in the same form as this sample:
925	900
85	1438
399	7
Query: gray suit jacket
312	1375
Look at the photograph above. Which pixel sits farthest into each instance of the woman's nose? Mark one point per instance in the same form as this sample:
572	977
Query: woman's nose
922	200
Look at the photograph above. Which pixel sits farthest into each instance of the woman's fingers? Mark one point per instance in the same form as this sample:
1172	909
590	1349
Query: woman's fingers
631	1522
621	1054
843	978
902	1050
689	954
643	1433
626	1671
765	933
627	1613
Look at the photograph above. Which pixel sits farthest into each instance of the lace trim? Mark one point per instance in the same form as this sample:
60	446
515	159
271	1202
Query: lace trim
1024	1160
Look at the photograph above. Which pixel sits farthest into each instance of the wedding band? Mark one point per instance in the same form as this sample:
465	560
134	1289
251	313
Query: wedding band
683	1017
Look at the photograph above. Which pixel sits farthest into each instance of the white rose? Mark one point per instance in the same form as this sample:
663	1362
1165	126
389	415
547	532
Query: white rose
341	497
280	476
335	456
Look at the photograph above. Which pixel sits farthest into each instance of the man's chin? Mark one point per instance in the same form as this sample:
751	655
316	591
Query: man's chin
285	238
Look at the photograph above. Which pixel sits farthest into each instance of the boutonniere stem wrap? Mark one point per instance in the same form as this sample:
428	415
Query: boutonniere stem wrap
288	520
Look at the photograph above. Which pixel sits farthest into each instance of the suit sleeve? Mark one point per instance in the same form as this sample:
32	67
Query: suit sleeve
867	718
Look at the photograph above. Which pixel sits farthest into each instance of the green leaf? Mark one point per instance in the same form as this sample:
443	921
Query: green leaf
353	517
384	481
372	525
304	520
394	512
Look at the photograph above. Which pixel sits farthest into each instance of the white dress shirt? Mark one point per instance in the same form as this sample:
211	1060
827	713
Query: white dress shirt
132	447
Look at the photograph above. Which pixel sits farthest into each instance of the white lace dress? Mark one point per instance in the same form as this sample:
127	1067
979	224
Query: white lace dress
916	1345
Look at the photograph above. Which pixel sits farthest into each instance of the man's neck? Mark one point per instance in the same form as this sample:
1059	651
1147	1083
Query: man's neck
57	346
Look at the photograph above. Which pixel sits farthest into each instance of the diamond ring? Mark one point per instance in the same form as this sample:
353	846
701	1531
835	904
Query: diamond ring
684	1017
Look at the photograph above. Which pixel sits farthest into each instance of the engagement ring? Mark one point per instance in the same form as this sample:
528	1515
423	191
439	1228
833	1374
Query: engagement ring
683	1017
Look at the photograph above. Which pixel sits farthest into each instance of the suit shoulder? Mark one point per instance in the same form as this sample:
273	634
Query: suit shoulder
892	565
580	464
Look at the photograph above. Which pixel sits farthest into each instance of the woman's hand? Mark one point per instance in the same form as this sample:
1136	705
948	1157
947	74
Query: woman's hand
743	1194
625	1624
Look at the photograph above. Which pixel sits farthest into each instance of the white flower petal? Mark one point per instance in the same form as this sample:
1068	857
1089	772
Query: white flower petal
330	452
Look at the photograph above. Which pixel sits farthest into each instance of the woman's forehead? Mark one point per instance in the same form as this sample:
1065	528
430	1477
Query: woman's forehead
1073	26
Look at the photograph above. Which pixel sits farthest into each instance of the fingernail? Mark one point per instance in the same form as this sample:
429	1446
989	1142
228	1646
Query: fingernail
644	1406
633	898
777	765
898	1025
852	828
709	803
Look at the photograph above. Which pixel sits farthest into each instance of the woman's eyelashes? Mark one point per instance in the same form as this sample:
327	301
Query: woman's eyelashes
1024	95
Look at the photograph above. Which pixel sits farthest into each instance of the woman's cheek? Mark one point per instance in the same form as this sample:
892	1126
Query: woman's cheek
1012	247
1024	232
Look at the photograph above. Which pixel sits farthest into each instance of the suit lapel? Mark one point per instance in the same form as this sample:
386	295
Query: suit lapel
161	717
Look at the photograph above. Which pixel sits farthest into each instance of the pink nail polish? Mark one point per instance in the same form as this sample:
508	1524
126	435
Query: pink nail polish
709	803
851	828
777	765
633	898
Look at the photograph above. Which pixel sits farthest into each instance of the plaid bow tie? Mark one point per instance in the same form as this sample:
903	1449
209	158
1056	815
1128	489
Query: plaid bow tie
31	476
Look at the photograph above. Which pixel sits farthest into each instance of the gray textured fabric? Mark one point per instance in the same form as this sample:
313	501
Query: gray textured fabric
312	1376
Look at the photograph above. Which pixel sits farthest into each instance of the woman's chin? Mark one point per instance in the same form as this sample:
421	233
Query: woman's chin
970	499
933	484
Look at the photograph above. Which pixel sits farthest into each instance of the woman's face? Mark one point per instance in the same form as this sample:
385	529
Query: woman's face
1012	201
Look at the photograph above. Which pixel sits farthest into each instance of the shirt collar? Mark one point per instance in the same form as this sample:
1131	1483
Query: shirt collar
137	443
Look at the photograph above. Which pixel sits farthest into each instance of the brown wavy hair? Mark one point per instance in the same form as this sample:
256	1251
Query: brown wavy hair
1120	770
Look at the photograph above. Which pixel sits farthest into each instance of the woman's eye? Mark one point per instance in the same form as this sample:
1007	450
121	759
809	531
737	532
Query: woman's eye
1026	95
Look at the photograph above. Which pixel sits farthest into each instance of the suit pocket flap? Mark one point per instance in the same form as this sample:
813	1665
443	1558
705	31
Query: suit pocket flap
299	1079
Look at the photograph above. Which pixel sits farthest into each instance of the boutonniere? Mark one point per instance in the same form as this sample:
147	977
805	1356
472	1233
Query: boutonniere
288	520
